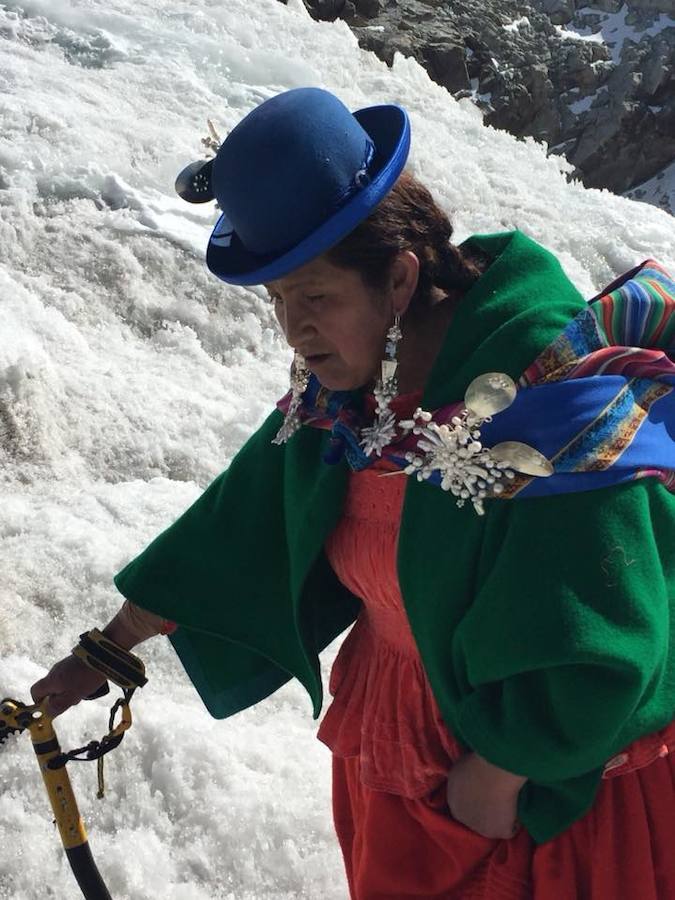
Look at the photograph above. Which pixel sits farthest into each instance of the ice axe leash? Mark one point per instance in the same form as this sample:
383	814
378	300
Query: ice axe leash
128	672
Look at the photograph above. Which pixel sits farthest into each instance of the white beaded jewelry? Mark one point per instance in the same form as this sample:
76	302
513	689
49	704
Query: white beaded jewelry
466	468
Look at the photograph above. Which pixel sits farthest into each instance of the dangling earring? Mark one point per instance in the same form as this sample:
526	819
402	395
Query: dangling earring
299	381
381	433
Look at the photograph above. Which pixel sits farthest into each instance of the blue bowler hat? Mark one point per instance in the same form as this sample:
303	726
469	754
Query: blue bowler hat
295	176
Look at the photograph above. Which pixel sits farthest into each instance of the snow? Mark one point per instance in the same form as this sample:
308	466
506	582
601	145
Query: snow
129	377
581	106
570	34
517	24
577	107
612	29
477	97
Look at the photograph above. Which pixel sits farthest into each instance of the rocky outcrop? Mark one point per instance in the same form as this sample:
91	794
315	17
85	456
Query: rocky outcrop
596	84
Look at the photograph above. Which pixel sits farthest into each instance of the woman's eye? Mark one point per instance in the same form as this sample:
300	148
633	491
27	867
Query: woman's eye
314	298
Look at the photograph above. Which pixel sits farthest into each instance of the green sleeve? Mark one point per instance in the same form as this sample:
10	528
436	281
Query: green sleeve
252	610
567	647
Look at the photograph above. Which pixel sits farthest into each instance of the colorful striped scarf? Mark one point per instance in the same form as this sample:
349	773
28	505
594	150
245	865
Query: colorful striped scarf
598	402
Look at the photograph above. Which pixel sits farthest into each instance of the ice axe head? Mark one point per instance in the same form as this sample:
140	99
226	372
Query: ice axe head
14	717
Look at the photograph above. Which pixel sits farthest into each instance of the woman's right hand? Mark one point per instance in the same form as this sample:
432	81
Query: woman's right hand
66	683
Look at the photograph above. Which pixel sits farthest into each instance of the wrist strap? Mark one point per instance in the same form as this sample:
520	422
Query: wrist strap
120	666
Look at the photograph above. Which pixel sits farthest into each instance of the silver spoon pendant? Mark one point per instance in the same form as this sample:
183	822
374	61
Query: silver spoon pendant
522	458
489	394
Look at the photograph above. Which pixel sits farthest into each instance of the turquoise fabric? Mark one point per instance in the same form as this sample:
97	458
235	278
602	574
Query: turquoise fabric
544	626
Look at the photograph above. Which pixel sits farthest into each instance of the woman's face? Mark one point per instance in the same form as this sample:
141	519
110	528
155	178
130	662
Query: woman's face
334	321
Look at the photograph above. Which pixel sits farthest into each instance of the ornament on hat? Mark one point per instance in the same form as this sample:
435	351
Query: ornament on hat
194	181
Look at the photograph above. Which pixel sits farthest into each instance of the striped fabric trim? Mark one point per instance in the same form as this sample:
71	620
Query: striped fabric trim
629	329
602	442
638	313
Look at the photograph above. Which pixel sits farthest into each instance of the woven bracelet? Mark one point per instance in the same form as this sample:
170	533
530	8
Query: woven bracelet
118	665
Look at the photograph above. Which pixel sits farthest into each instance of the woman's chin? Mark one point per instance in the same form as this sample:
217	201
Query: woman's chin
332	379
335	382
335	386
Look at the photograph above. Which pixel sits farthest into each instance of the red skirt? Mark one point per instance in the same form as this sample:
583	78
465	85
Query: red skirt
622	849
392	752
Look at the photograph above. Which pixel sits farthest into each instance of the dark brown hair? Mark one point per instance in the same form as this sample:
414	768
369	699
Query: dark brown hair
408	218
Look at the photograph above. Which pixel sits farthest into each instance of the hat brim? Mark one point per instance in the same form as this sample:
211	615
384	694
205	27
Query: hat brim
389	128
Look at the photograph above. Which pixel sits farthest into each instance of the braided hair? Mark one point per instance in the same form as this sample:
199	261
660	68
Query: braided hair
408	218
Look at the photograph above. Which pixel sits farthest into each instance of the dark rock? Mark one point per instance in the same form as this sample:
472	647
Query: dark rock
369	8
610	6
610	156
615	121
560	11
446	63
327	10
658	68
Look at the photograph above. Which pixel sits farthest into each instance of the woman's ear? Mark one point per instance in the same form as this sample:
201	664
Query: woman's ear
405	272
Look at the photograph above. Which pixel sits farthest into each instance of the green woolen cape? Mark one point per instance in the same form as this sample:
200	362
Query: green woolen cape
545	626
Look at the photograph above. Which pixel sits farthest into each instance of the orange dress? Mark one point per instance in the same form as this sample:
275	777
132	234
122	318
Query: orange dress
392	751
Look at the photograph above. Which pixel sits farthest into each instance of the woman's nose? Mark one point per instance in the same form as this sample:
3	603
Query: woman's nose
297	326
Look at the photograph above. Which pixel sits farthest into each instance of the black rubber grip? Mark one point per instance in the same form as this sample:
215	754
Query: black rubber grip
87	875
47	747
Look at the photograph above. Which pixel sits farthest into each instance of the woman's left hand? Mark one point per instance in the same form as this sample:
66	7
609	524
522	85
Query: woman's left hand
484	797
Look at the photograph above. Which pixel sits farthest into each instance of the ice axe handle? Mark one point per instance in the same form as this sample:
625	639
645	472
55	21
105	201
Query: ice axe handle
64	806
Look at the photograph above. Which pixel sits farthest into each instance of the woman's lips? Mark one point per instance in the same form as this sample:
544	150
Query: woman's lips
316	358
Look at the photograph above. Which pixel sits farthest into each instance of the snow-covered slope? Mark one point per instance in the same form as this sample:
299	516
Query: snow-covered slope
129	377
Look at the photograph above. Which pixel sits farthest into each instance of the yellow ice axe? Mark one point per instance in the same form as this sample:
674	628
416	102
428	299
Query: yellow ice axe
127	671
16	716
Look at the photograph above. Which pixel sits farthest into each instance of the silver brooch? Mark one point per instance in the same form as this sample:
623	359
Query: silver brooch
454	450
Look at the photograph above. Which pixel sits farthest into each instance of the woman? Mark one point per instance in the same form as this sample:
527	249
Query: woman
502	711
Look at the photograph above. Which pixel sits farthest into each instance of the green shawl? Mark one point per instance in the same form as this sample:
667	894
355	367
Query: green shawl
544	626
